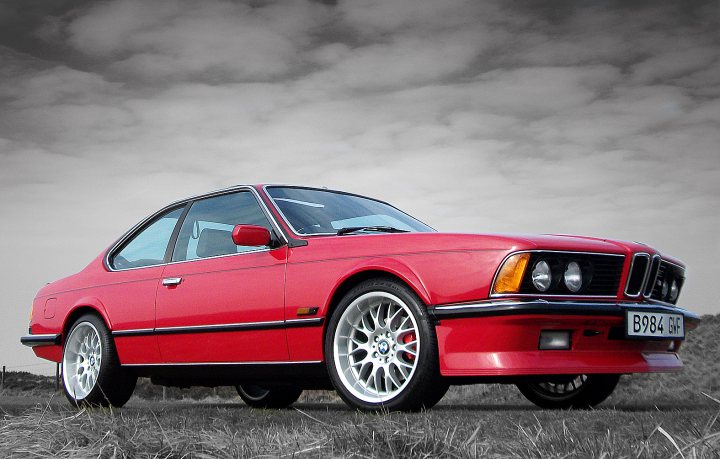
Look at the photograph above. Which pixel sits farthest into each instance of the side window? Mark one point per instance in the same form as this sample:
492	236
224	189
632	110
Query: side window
207	229
147	248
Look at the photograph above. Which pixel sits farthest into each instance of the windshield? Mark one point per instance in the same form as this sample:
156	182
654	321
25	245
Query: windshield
313	211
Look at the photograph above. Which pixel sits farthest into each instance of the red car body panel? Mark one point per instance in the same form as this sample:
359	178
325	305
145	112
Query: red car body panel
222	291
154	323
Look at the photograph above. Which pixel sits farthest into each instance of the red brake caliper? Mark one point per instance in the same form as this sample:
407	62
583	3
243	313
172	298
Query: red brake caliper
410	337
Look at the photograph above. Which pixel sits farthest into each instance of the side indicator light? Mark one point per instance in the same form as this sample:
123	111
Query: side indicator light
307	311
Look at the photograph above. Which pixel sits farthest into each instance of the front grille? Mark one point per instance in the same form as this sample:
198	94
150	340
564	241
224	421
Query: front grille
601	273
654	278
638	273
654	271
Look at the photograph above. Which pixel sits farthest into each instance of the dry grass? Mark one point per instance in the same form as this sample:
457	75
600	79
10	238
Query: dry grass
231	430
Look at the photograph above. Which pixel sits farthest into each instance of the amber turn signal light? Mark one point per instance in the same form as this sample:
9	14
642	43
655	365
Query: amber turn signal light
511	274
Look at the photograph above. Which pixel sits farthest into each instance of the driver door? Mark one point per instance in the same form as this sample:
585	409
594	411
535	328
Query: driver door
219	302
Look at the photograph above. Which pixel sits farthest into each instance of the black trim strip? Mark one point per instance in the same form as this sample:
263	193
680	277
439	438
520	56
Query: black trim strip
124	333
41	340
292	323
544	307
170	249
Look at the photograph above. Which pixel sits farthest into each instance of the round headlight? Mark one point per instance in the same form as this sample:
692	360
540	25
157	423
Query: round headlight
665	289
541	276
674	290
573	277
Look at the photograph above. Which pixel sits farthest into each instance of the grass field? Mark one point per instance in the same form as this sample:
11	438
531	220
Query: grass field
649	416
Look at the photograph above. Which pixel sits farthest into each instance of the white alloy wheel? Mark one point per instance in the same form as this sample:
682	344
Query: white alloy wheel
376	346
82	360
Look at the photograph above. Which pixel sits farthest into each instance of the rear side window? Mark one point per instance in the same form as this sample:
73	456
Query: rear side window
147	248
207	229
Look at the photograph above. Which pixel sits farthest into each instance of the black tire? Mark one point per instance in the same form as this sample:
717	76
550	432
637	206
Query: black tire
263	397
113	385
423	387
436	394
593	391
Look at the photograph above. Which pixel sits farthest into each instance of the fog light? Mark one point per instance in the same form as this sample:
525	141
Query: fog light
554	339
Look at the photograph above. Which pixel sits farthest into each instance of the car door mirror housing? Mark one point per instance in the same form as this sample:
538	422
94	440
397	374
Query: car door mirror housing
250	235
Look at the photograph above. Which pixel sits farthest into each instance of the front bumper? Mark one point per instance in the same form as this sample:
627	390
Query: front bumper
545	307
500	338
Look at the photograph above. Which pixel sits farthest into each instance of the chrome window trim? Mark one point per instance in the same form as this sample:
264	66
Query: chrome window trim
184	202
296	233
497	271
645	275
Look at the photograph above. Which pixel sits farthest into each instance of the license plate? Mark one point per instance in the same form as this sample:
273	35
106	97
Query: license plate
641	324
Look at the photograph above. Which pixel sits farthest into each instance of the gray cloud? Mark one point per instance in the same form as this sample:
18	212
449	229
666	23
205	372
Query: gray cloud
597	118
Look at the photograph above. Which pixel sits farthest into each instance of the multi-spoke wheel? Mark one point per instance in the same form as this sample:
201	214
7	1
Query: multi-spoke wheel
572	391
381	349
268	397
82	360
91	372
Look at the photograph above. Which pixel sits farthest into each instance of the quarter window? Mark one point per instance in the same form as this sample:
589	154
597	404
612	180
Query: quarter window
207	228
147	248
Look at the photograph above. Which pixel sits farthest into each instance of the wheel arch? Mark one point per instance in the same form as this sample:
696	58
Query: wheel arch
82	307
404	275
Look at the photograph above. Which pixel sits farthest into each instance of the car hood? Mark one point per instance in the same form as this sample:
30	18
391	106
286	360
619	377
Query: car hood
359	244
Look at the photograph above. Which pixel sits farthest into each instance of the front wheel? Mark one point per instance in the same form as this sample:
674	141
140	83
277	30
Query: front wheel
268	397
91	371
381	349
572	391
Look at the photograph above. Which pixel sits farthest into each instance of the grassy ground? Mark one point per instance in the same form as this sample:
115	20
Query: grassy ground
664	415
323	430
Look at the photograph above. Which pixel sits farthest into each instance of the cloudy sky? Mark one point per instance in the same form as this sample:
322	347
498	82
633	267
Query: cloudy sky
597	118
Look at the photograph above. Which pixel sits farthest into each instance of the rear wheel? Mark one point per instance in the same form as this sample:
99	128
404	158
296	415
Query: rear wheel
268	397
572	391
381	349
92	374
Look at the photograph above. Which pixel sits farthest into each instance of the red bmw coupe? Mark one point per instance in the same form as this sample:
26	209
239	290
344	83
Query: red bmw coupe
276	289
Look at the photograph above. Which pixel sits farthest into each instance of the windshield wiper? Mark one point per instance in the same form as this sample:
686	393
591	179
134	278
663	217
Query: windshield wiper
378	229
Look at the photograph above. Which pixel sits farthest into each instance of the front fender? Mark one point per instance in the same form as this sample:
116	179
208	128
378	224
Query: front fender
388	265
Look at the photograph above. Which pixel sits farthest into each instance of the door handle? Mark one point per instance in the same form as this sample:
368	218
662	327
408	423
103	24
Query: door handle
170	281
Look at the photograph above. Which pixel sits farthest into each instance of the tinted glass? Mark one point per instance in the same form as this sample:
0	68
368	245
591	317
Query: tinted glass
148	247
207	229
312	211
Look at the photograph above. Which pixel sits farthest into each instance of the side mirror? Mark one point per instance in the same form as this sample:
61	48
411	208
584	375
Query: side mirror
250	235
